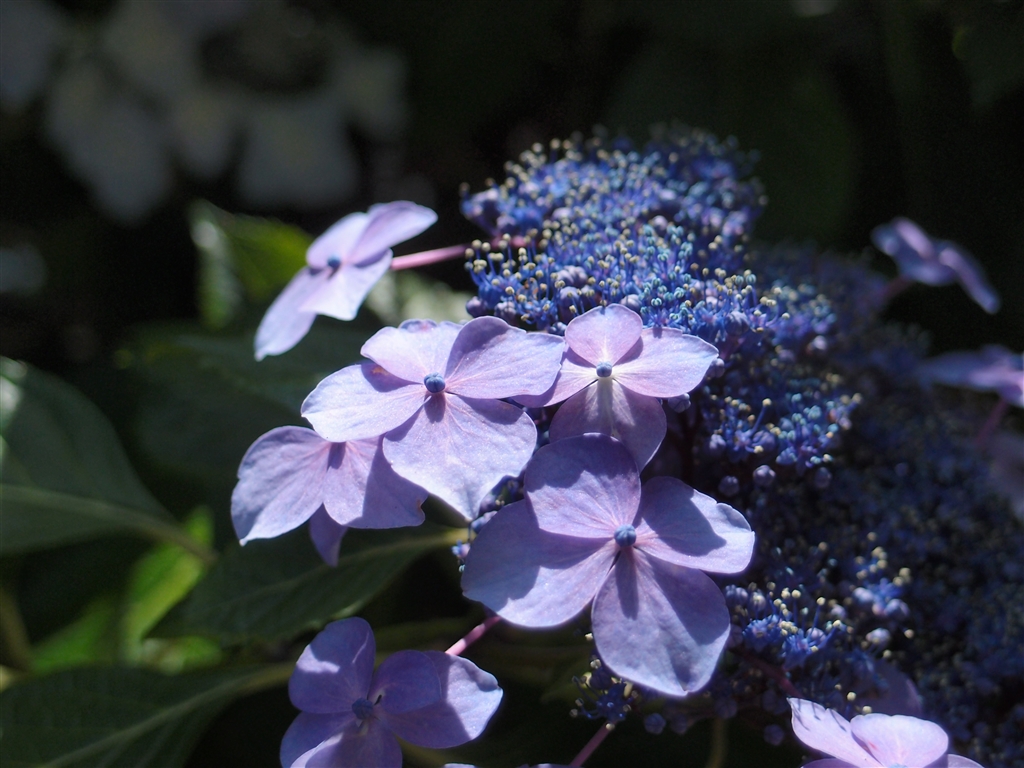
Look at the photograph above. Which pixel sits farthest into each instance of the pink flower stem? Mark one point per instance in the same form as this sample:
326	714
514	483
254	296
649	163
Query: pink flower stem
895	287
472	636
994	417
592	745
423	258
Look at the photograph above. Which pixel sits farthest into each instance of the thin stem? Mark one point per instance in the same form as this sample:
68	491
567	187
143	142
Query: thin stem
994	417
592	745
423	258
472	636
719	744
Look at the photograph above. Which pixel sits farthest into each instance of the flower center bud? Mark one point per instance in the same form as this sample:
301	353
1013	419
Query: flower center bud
434	383
334	262
604	370
362	708
625	536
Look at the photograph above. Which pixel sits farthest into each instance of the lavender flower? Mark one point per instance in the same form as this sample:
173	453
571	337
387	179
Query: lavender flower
291	475
344	263
992	369
586	532
613	373
433	392
351	715
872	741
934	262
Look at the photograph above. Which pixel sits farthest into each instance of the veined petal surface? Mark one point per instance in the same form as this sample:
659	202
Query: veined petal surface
361	401
339	741
337	241
346	288
604	334
828	732
460	448
899	739
285	322
363	491
404	681
413	350
389	224
326	536
669	363
574	374
335	669
532	577
584	486
683	526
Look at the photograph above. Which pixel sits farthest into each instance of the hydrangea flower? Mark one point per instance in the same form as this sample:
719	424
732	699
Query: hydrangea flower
586	532
991	369
351	714
343	264
613	373
934	262
872	741
291	475
434	392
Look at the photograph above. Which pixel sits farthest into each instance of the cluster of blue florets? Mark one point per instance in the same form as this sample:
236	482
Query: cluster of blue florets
879	545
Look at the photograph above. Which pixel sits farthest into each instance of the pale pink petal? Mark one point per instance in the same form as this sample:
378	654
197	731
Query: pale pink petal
899	739
607	407
532	577
584	486
388	224
575	374
361	401
344	292
361	490
828	732
683	526
460	448
285	323
413	350
669	363
491	359
660	625
604	334
337	241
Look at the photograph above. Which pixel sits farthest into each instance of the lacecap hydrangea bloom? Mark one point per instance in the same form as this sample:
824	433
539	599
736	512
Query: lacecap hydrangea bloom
352	714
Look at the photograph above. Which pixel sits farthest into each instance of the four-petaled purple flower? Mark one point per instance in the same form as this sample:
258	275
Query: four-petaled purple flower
291	475
991	369
587	532
934	262
872	741
344	263
613	373
434	392
351	715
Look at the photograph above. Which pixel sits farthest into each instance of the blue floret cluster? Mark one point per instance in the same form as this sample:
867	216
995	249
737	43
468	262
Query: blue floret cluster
882	554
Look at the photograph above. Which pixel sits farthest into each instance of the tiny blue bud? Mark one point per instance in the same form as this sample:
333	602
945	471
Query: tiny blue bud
632	301
654	723
879	637
821	478
475	307
774	735
679	404
604	370
333	262
434	383
729	486
716	369
764	476
625	535
716	446
362	708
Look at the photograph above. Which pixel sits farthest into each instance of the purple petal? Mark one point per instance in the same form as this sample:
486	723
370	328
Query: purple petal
339	741
285	323
828	762
604	334
361	401
345	290
660	625
405	681
469	698
955	761
389	224
575	374
492	359
828	732
669	363
900	740
913	251
991	369
683	526
279	483
413	350
326	535
607	407
363	491
583	486
459	448
531	577
335	669
970	275
337	241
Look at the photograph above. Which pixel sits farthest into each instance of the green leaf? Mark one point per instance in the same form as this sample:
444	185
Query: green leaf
117	717
63	475
241	257
273	589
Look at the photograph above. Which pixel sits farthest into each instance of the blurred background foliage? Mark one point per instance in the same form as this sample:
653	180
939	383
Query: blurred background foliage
164	167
